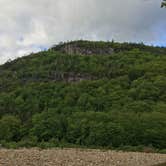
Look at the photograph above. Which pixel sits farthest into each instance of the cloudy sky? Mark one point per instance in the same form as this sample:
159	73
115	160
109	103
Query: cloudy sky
33	25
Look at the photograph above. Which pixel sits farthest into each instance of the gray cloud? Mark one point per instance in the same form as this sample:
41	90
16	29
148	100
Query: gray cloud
31	25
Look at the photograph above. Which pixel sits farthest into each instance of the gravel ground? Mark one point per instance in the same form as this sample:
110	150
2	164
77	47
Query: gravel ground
77	157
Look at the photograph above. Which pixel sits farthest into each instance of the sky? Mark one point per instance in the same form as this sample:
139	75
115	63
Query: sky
28	26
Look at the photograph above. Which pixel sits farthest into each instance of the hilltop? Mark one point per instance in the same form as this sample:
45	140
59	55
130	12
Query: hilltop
83	47
82	93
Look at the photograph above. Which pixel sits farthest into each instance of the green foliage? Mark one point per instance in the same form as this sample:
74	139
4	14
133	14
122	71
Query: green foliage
9	128
53	99
163	4
48	125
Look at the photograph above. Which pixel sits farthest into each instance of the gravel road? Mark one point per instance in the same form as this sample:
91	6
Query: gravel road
77	157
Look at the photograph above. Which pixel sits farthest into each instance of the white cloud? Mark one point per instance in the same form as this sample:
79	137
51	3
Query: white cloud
28	25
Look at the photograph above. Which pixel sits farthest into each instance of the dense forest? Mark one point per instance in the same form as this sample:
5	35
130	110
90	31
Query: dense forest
54	99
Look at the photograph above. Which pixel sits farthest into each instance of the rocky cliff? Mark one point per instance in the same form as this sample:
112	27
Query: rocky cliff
80	48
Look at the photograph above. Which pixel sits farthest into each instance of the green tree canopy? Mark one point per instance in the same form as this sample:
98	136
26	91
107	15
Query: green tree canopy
163	4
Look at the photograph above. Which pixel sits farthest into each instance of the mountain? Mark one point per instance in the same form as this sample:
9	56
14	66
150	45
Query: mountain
82	93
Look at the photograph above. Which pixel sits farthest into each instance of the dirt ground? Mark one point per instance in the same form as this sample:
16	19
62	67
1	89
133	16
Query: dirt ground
77	157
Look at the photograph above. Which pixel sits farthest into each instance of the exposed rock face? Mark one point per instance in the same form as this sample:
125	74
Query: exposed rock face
71	77
59	76
74	48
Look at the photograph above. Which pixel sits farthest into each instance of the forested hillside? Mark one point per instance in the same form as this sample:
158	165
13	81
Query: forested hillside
53	98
